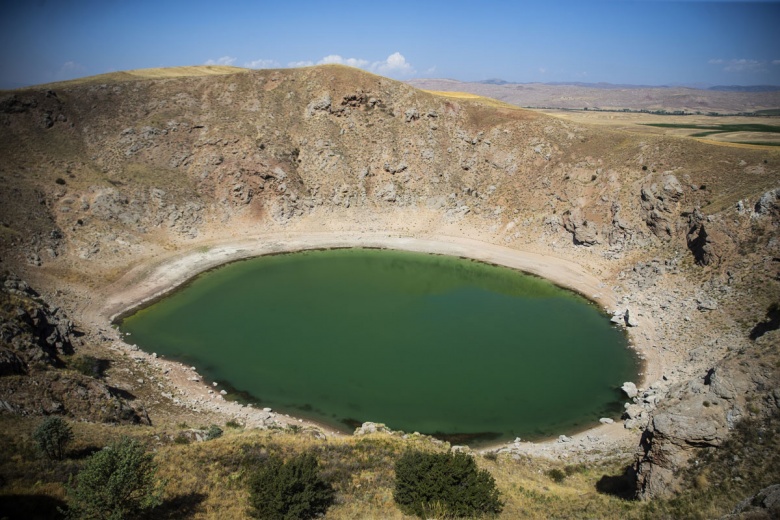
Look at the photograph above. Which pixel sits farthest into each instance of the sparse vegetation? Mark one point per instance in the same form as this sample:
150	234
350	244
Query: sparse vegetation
117	482
89	365
289	490
52	437
556	475
214	432
444	485
719	129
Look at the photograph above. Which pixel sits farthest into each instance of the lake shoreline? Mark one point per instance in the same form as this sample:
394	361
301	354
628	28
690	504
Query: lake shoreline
156	278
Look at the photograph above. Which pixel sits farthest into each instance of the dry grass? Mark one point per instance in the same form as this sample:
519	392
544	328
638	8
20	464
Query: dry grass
639	123
209	479
465	96
154	73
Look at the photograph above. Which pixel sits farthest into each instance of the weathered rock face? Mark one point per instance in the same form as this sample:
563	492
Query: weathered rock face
764	505
33	340
697	414
30	332
706	242
659	204
584	232
769	203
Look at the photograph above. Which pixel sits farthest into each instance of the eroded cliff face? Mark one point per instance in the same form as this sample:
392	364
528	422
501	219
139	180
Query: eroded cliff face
104	174
34	341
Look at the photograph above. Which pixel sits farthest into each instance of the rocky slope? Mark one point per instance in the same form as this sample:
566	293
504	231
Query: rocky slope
105	175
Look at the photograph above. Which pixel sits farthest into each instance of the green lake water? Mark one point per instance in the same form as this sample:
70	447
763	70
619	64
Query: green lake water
425	343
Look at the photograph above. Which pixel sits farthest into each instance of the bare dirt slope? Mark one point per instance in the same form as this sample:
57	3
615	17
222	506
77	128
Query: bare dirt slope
106	180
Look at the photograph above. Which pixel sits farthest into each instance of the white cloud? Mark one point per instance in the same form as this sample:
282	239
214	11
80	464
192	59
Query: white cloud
338	60
432	70
69	70
224	60
542	70
742	65
262	64
394	65
775	62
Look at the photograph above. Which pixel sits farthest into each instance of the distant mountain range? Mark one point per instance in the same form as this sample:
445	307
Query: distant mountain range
719	88
606	96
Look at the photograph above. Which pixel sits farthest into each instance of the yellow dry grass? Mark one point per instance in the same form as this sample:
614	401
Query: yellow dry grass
180	72
465	96
154	73
208	480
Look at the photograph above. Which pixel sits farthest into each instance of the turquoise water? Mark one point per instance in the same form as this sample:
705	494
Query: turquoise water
425	343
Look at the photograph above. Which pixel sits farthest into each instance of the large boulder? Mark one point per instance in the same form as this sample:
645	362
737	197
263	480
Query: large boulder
30	330
706	242
697	414
583	231
763	505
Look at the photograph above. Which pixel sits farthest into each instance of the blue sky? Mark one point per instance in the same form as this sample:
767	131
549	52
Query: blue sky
651	42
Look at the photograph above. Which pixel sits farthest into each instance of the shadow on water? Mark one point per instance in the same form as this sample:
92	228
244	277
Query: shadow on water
620	486
31	507
471	439
352	424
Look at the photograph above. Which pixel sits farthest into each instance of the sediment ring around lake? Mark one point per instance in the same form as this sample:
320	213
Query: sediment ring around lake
145	283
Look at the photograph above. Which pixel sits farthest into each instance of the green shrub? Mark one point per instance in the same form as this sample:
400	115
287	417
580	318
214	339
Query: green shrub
232	423
214	432
444	484
556	475
90	366
118	482
52	436
289	490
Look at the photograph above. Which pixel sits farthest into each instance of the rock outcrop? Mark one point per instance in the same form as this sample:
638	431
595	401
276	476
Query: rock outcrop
30	331
698	414
707	244
659	205
764	505
34	340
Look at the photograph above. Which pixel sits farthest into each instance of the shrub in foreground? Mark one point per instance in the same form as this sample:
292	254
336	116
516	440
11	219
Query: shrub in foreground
52	437
118	482
289	490
444	484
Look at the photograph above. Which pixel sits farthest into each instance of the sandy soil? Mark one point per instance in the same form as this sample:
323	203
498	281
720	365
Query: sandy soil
159	275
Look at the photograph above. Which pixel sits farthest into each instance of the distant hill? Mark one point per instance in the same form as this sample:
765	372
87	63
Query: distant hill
495	81
749	88
719	99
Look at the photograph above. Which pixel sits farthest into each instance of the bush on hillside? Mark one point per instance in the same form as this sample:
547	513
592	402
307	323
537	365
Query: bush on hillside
52	437
289	490
444	484
214	432
118	482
